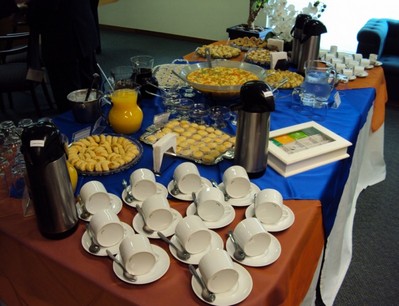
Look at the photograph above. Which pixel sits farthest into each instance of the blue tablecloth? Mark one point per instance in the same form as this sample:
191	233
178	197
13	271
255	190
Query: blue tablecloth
324	183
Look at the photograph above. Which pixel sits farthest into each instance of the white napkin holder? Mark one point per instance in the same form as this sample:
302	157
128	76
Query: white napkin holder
278	43
276	56
165	144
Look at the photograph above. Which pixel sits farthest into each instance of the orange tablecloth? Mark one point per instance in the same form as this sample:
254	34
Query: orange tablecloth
375	79
37	271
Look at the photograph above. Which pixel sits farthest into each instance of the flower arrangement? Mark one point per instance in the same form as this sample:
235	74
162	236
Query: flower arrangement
281	16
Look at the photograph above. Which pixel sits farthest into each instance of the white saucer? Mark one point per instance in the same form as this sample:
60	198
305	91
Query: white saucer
267	258
286	220
227	218
378	64
159	270
216	243
352	78
368	67
186	196
86	241
244	201
116	206
362	74
160	189
234	296
138	225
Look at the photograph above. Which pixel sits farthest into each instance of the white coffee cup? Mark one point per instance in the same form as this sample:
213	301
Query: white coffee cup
193	234
95	196
137	254
218	272
236	182
106	228
358	57
268	206
364	62
252	237
210	204
358	70
157	212
187	178
373	58
348	72
142	184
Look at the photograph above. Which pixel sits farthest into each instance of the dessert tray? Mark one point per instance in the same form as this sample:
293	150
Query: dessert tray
200	143
104	154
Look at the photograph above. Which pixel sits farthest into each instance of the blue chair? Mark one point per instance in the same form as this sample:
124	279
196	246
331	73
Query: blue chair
381	36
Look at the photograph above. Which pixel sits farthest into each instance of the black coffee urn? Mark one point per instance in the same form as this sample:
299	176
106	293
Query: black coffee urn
297	35
49	184
253	125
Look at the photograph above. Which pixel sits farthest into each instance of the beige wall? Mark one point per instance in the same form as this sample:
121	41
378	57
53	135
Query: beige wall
204	19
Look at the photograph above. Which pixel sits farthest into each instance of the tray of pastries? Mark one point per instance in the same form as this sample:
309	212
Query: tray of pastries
104	154
165	76
258	56
246	43
200	143
219	51
274	78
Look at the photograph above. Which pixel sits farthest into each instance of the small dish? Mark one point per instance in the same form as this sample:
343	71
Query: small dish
216	243
159	270
378	64
186	196
227	218
116	206
138	225
234	296
368	67
244	201
86	241
160	189
271	255
352	78
286	220
362	74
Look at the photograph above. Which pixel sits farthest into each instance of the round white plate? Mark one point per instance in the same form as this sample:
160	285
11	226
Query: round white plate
216	243
267	258
378	64
244	201
159	269
160	189
186	196
352	78
116	206
369	67
362	74
286	220
227	218
138	225
234	296
86	242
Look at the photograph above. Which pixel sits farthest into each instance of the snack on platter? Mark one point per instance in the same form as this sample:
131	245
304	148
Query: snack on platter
197	142
258	56
221	76
219	51
166	78
246	43
276	76
104	154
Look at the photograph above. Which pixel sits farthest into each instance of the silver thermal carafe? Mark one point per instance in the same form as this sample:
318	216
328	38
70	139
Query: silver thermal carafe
253	125
310	43
297	35
50	187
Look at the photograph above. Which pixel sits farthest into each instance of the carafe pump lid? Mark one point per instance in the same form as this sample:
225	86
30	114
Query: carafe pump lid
314	27
256	97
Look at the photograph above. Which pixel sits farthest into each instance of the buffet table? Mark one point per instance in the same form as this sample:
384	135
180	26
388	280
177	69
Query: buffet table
69	275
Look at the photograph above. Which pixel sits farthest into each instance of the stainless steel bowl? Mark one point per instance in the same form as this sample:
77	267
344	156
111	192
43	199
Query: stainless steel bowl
85	111
223	92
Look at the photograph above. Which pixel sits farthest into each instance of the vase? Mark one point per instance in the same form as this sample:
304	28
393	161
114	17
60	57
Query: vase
125	116
242	30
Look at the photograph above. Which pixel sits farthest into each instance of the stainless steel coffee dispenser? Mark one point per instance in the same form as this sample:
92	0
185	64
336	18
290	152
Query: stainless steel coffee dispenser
49	184
253	125
297	35
310	43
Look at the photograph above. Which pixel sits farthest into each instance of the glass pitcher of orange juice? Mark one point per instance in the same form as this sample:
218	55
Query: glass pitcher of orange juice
125	116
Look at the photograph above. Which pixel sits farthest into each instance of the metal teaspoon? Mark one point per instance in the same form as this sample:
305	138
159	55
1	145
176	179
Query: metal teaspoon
146	228
182	254
126	274
94	247
205	293
239	253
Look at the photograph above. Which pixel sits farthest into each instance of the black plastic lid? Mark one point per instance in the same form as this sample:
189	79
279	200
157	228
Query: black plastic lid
301	19
256	97
42	143
314	27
